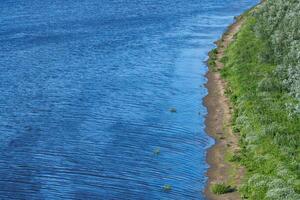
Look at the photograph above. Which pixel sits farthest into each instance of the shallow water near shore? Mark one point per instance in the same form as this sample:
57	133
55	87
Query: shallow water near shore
86	92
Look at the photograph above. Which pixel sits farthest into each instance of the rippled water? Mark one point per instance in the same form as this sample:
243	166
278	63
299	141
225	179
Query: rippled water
86	88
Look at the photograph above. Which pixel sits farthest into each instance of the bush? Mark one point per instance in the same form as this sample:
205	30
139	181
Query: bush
268	84
282	193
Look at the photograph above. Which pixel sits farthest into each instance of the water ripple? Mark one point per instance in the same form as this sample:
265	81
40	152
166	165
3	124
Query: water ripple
86	88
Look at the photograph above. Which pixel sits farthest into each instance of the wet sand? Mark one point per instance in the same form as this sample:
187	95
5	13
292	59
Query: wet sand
218	124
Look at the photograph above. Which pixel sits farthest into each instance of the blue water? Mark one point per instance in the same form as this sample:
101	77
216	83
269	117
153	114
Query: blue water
85	92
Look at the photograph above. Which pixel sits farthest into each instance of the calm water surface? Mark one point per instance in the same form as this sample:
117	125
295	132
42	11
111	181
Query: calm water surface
86	87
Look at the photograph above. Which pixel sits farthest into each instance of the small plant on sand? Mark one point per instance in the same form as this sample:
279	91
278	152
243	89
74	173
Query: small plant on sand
167	188
173	110
221	188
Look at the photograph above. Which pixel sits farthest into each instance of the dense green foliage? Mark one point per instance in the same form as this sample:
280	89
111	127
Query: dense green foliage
262	67
221	188
279	27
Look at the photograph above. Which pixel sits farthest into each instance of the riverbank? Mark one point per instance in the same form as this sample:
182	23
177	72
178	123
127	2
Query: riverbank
218	122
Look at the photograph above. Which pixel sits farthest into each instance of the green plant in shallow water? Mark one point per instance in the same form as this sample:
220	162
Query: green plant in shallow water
167	188
173	110
156	151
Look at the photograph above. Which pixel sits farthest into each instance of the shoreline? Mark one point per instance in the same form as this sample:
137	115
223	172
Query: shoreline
218	123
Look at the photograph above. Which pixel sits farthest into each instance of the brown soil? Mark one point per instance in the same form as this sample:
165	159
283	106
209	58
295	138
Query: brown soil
218	124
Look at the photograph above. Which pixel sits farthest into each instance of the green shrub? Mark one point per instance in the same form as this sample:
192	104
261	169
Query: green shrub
221	188
268	84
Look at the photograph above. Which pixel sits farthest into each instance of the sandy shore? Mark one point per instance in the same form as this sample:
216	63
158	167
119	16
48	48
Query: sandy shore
218	124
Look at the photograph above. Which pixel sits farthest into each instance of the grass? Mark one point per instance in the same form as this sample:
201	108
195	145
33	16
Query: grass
221	188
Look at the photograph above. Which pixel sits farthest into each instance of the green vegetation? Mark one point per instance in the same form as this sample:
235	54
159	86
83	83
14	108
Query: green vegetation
262	67
221	188
236	157
212	59
167	188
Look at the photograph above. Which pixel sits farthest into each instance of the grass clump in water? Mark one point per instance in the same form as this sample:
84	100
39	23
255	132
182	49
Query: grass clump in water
156	151
173	110
167	188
